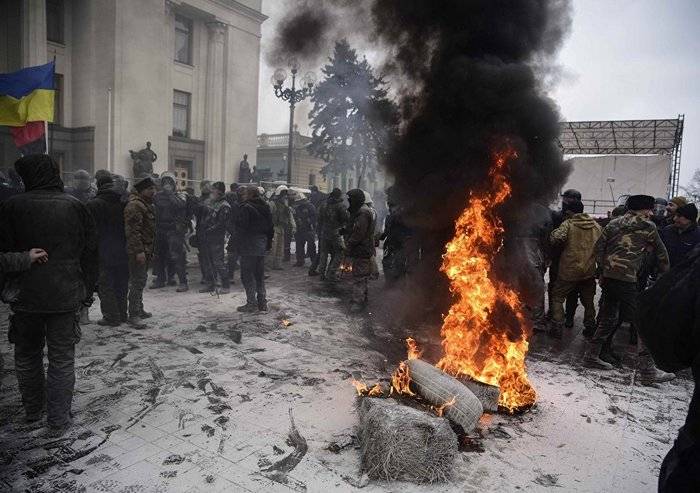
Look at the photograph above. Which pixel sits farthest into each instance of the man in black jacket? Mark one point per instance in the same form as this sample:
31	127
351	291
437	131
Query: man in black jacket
254	232
107	209
215	224
360	246
45	300
683	235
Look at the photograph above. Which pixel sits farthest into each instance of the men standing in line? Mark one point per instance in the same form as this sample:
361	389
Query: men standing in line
171	227
215	225
306	219
254	232
619	255
45	300
283	221
140	229
107	209
360	247
577	237
332	217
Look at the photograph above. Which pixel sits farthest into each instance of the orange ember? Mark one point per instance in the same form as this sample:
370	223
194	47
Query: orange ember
475	332
362	389
413	351
401	380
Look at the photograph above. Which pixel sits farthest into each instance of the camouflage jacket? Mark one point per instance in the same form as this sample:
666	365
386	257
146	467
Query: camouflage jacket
139	225
621	249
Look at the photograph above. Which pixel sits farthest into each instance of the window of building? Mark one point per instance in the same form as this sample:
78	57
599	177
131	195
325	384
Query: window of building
183	171
58	99
183	40
181	114
55	21
312	179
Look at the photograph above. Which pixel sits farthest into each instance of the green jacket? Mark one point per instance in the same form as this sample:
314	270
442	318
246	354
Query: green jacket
139	225
578	236
621	248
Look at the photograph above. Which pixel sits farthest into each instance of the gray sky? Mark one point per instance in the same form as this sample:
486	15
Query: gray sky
624	59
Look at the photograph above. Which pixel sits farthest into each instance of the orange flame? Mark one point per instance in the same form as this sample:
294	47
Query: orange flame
440	410
362	389
346	266
401	380
286	322
413	351
475	332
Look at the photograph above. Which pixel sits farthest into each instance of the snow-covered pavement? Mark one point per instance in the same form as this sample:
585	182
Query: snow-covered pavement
201	399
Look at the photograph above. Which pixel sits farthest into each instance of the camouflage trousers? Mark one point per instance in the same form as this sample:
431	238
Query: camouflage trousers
277	252
30	332
138	275
361	272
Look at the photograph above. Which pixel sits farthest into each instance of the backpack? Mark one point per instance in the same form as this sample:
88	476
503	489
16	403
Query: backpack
668	316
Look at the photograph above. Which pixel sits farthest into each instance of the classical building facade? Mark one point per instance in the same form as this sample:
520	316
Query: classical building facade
182	74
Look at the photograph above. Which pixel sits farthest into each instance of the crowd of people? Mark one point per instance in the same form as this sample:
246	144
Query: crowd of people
107	237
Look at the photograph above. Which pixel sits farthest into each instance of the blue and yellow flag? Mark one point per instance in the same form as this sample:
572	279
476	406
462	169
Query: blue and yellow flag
27	95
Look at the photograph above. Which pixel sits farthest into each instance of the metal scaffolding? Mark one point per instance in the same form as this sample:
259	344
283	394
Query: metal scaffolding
627	137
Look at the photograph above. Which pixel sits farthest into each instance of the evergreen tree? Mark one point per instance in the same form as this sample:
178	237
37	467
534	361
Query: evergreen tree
353	120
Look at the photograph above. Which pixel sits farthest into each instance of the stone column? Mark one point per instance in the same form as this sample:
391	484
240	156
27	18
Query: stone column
34	33
214	105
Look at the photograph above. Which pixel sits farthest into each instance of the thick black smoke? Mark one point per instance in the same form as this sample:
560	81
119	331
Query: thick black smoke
469	87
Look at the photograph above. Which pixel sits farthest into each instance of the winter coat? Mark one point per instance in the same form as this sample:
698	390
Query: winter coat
254	228
282	216
305	216
621	249
14	262
578	236
216	221
360	242
45	217
331	218
139	225
84	195
107	209
680	243
171	211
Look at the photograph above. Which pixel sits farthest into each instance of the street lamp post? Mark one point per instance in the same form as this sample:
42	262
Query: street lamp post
294	96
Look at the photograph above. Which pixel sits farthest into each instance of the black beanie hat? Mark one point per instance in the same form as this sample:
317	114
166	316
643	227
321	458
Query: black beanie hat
689	211
640	202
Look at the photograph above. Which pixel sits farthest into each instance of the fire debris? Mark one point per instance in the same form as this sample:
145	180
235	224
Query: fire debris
278	471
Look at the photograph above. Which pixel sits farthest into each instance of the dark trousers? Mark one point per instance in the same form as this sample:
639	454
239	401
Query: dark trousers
217	265
253	278
619	298
306	246
170	256
680	470
113	290
287	245
332	248
59	332
361	271
138	274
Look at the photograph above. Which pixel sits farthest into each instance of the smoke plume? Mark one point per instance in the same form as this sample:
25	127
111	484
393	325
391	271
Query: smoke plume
470	74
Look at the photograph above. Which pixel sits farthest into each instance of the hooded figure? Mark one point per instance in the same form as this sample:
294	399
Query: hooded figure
306	219
332	217
360	245
46	298
577	237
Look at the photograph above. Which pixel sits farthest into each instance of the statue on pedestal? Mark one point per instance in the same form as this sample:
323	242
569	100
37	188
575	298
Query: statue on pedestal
143	161
244	174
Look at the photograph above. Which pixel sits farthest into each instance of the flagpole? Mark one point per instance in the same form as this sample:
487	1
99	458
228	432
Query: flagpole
46	137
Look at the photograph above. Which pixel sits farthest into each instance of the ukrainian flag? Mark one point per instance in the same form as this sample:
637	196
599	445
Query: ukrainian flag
27	96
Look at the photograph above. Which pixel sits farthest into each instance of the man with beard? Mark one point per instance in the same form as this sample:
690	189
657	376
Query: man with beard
360	246
671	208
558	217
332	217
305	219
619	256
171	228
107	209
140	229
45	300
254	236
215	225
